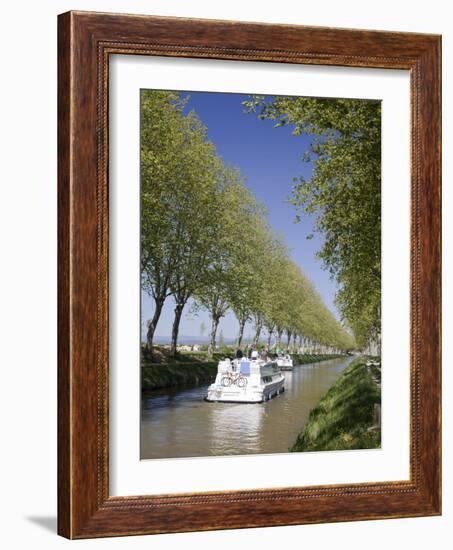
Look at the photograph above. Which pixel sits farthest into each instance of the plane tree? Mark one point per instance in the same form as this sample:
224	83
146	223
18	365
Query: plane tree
160	145
230	278
254	251
181	179
195	219
205	237
343	190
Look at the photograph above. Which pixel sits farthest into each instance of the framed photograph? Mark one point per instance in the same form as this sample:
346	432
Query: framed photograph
249	275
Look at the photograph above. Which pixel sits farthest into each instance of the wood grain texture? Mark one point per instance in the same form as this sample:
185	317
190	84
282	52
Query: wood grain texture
86	40
64	390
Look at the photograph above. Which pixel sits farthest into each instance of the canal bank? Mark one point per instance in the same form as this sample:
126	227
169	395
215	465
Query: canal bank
345	417
305	359
186	369
193	369
155	377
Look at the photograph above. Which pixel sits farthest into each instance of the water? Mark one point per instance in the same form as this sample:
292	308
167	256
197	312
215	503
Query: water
179	423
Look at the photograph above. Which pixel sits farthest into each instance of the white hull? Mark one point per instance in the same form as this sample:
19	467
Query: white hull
246	381
285	363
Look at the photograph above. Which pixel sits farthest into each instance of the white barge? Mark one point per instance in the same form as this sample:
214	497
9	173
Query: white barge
246	381
285	362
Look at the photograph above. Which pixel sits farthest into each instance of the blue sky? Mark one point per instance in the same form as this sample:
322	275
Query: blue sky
269	158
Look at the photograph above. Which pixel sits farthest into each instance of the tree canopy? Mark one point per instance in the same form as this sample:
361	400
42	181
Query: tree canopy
344	191
205	237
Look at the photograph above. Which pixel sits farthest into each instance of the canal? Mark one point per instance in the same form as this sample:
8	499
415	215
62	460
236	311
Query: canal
177	422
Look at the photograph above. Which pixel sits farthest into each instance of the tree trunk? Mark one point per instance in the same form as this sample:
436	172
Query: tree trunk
269	338
159	302
214	324
288	334
279	337
175	329
241	330
259	326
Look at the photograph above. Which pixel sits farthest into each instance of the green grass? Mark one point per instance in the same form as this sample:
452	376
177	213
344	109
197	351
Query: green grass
186	369
344	417
161	356
164	376
192	368
307	358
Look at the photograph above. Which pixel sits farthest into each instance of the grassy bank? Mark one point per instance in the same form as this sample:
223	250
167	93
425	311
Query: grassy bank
186	369
155	377
344	417
307	358
192	368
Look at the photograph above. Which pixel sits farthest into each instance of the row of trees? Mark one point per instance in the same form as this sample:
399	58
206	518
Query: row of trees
344	191
205	238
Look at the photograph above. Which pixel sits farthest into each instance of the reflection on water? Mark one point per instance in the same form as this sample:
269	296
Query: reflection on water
179	423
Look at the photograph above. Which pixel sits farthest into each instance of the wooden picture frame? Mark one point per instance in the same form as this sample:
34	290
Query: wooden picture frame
85	42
